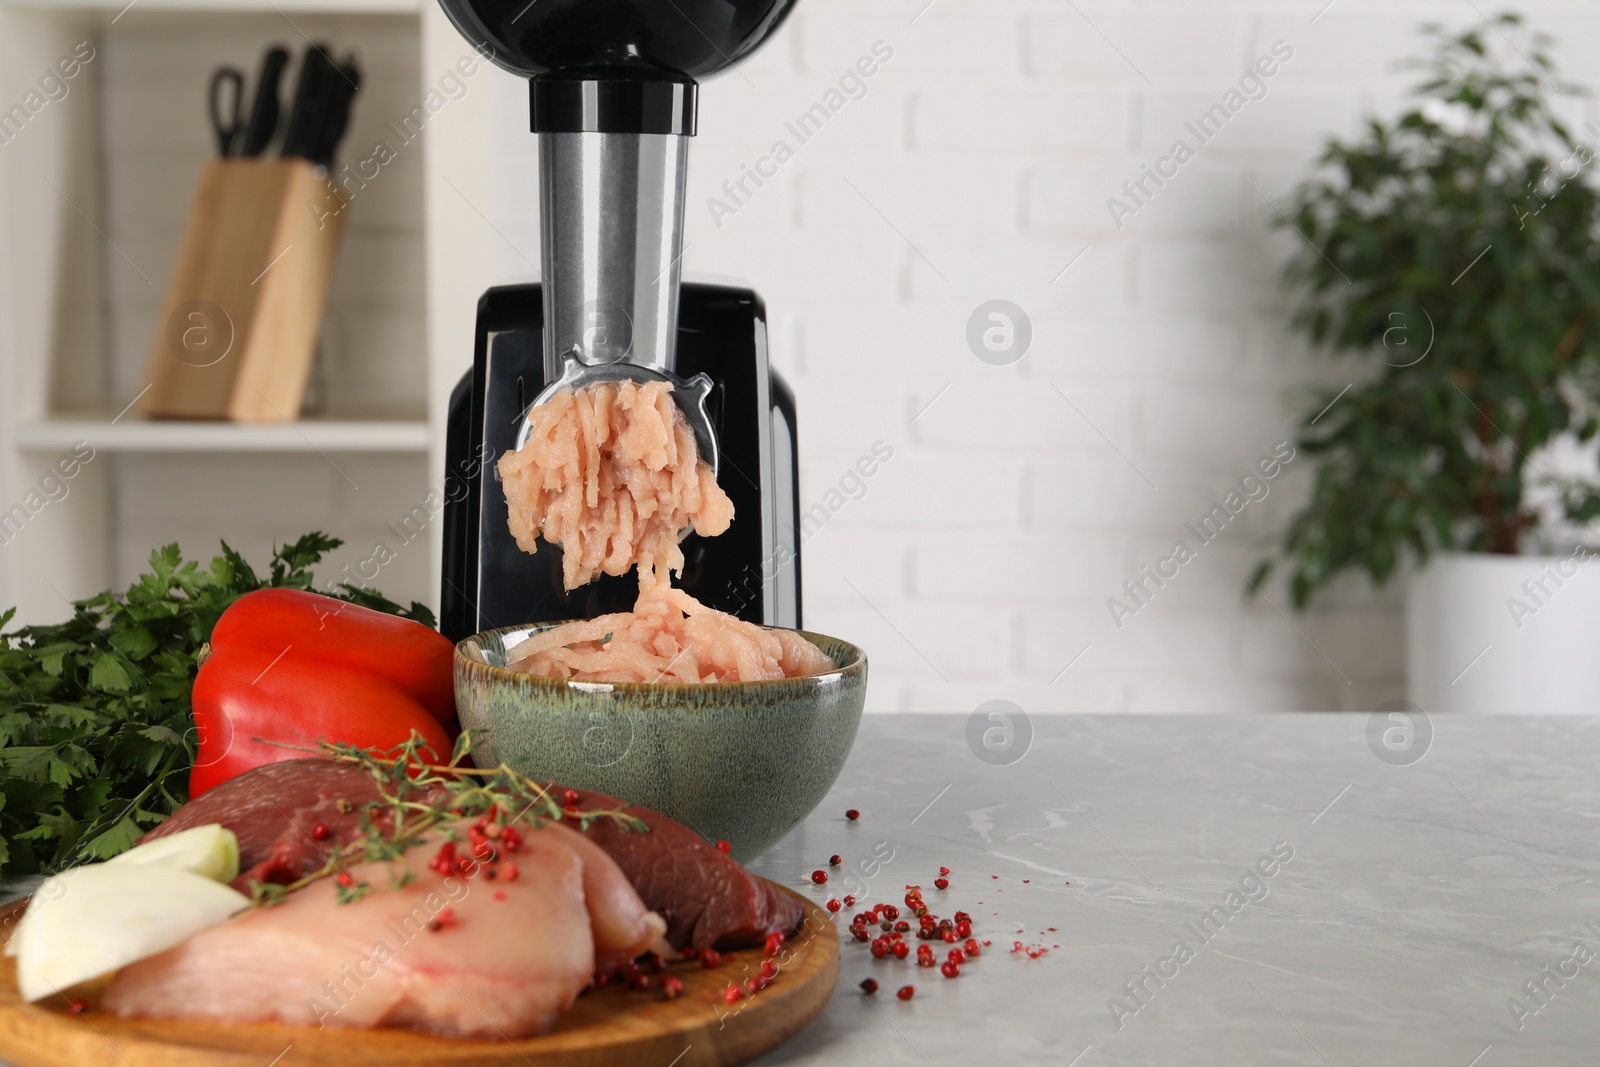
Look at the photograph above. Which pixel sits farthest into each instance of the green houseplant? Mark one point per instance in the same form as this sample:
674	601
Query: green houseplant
1452	253
1469	223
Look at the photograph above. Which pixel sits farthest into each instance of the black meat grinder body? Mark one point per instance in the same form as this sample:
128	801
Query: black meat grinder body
613	95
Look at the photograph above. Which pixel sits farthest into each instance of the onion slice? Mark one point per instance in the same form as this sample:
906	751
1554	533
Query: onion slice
94	919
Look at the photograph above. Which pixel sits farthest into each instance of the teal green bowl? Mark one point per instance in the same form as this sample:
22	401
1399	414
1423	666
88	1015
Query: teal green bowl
741	762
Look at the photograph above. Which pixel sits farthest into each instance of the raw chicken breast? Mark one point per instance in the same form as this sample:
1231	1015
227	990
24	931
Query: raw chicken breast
706	898
464	956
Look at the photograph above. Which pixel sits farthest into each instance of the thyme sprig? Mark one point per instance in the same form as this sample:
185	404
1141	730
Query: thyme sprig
417	796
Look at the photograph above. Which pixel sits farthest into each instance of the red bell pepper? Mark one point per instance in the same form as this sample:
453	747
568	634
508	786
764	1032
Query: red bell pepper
293	667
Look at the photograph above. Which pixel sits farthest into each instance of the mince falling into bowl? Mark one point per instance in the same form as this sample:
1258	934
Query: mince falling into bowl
611	472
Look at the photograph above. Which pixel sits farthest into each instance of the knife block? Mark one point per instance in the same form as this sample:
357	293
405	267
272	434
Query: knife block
245	300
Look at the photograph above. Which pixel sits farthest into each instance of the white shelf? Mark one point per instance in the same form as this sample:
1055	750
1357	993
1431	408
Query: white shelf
400	315
318	7
132	434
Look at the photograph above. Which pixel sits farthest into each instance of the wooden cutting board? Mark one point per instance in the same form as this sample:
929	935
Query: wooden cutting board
610	1027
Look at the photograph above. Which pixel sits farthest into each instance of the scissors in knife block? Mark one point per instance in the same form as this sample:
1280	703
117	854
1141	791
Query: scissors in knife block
227	117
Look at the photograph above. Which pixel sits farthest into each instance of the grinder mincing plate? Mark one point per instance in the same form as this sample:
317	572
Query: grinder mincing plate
613	91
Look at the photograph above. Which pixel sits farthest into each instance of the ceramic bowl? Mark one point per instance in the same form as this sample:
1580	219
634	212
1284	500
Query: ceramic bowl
741	762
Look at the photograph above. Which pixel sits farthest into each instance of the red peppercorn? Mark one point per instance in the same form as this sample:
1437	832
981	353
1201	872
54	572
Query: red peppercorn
571	796
881	948
733	994
819	877
724	848
944	870
860	933
769	969
754	984
957	957
949	969
972	947
849	900
906	992
903	927
835	859
710	959
639	982
949	937
963	928
924	956
833	904
78	1007
869	986
900	949
345	880
508	871
852	814
775	942
941	883
671	987
320	832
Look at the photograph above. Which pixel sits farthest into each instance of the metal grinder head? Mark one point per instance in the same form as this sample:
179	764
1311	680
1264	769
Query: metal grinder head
613	98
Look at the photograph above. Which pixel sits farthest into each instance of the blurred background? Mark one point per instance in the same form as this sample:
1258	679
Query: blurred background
1141	369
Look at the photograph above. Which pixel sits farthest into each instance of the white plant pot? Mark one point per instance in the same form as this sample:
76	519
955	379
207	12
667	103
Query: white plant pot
1511	635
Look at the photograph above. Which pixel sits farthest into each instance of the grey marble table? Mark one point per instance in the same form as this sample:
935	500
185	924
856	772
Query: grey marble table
1444	912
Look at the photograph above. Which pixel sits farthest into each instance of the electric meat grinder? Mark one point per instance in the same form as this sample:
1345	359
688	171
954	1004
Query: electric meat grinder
613	91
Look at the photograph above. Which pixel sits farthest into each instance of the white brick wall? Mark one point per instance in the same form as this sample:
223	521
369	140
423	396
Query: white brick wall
979	562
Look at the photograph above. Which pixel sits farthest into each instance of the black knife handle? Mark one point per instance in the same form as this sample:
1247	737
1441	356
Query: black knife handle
305	115
264	112
337	118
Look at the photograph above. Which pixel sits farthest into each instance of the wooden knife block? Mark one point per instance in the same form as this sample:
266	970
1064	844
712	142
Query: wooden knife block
244	304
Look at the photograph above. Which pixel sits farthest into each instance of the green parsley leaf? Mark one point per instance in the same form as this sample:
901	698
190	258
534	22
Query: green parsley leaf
96	738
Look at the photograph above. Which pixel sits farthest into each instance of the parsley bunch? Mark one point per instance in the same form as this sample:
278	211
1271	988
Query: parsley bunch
96	738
